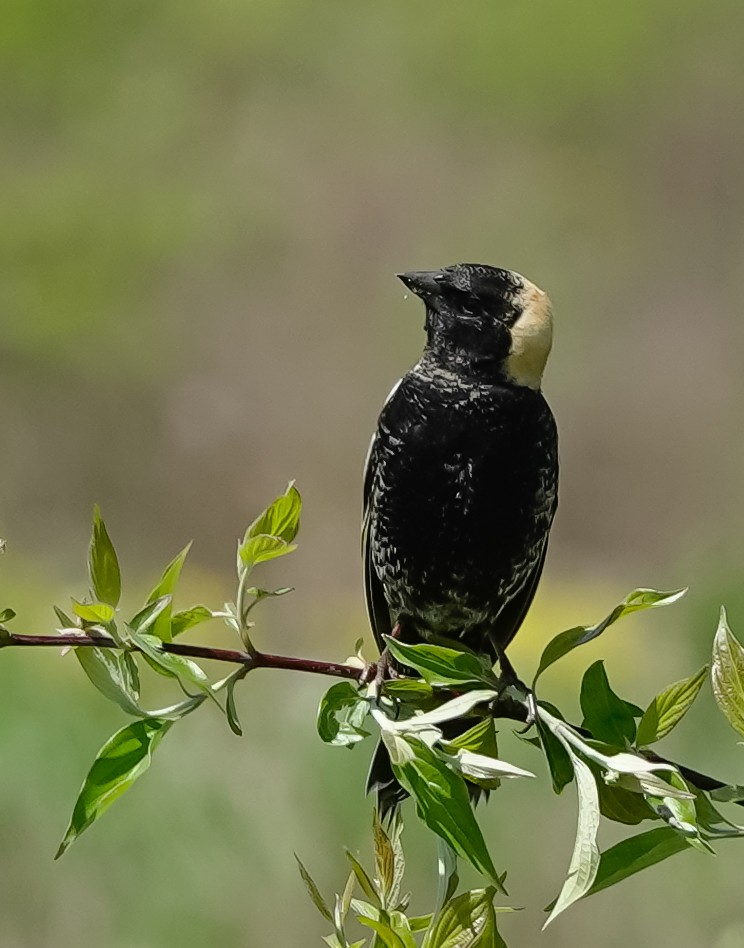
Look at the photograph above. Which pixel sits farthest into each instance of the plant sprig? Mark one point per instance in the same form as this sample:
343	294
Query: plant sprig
442	765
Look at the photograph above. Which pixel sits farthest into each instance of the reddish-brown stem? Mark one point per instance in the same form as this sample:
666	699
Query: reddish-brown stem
259	660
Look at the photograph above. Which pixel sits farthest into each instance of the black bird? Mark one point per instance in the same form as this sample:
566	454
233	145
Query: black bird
461	479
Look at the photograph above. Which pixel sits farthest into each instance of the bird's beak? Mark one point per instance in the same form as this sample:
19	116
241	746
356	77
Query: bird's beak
422	282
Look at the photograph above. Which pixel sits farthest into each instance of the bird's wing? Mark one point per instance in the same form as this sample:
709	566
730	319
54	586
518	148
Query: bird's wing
513	613
377	607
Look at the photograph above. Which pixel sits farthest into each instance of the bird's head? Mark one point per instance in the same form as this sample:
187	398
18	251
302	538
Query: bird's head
486	320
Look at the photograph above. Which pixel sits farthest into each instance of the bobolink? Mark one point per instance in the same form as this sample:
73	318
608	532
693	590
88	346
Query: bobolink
461	479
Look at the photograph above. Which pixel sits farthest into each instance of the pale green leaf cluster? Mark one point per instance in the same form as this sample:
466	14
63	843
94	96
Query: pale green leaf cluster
467	920
126	645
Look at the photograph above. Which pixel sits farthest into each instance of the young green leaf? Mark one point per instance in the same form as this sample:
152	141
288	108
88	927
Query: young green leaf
630	771
482	769
678	811
365	883
556	755
668	708
388	881
186	670
385	933
166	586
585	859
65	620
712	823
454	708
340	715
281	519
480	739
441	798
440	665
121	760
7	614
462	920
103	565
606	716
632	855
261	548
314	892
110	673
566	642
230	710
96	612
188	618
620	805
144	620
727	674
333	941
409	690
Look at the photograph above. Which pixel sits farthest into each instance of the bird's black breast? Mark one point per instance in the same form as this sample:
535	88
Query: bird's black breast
460	494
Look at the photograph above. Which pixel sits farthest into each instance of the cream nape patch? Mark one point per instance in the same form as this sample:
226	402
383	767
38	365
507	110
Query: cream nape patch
531	338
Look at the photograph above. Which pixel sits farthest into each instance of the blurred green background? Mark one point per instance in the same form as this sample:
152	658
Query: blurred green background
202	206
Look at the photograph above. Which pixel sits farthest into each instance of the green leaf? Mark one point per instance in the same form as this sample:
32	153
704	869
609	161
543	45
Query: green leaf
728	793
384	932
727	674
486	770
344	902
481	739
400	925
439	665
147	616
97	612
566	642
711	822
111	674
166	586
678	811
456	707
409	690
103	565
462	920
559	763
65	620
231	711
7	614
340	714
314	892
628	770
669	707
121	760
261	548
333	942
387	878
188	618
441	798
605	715
176	666
622	806
584	864
281	519
365	883
632	855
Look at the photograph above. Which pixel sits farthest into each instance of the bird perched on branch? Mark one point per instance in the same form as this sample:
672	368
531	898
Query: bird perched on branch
461	479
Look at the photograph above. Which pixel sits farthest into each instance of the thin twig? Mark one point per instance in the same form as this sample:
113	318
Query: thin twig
251	661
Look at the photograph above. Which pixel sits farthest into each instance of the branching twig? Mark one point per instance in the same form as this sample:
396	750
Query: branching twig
251	661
